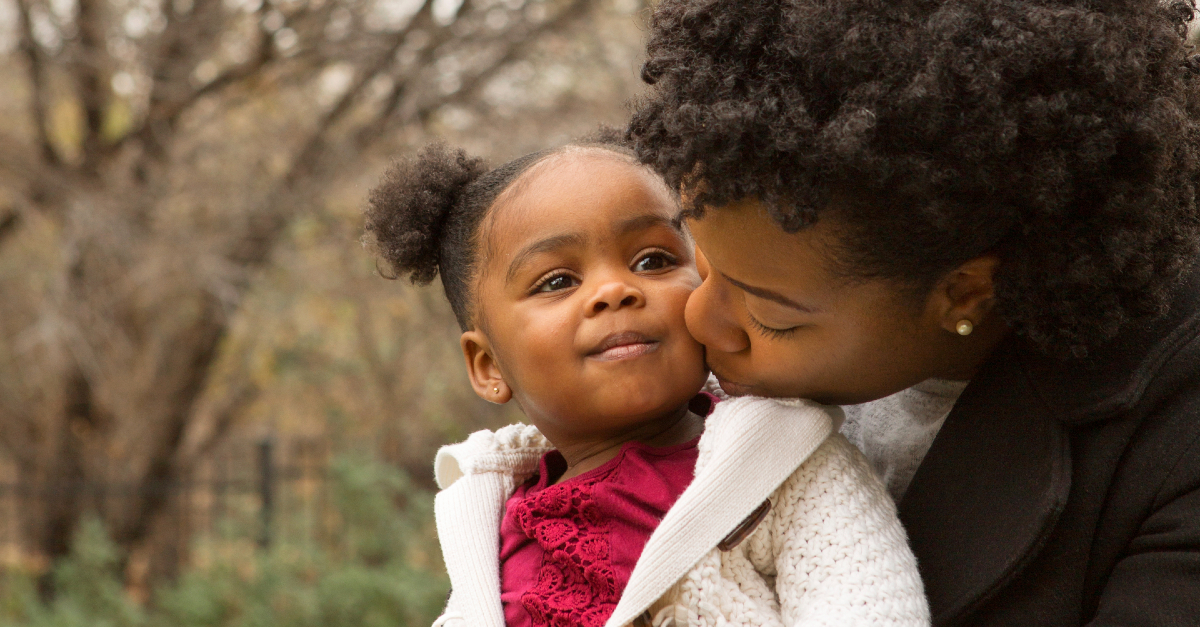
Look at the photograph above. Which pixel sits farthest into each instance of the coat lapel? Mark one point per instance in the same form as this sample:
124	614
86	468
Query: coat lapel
996	479
989	491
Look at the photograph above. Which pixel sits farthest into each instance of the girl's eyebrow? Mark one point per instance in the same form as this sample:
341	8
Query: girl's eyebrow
541	246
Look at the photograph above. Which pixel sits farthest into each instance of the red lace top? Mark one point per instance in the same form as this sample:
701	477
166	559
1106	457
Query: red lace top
566	550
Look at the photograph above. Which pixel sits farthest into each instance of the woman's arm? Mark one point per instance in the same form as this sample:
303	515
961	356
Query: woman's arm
1157	580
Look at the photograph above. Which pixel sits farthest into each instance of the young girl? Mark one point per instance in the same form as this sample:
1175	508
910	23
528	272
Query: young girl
568	273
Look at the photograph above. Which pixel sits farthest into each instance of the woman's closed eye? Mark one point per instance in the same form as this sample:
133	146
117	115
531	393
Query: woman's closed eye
771	332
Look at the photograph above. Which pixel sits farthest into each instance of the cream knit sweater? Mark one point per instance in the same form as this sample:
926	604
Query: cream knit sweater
830	551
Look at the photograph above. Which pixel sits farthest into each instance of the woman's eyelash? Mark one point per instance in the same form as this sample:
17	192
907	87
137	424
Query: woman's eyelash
770	332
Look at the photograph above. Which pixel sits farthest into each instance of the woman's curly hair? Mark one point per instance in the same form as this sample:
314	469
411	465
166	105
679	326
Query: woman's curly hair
1060	134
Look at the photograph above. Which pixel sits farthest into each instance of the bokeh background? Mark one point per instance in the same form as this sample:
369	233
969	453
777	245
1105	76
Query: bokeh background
213	410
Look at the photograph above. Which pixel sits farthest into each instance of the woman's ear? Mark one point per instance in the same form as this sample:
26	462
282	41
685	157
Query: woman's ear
967	294
482	368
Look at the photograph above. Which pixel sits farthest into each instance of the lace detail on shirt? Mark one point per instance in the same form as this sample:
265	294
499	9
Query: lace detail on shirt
576	585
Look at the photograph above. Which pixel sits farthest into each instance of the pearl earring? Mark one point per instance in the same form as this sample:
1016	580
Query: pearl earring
496	389
965	327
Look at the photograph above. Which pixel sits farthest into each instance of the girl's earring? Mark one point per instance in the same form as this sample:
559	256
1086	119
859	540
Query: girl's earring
965	327
496	389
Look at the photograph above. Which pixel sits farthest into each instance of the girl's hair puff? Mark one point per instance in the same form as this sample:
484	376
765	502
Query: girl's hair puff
425	216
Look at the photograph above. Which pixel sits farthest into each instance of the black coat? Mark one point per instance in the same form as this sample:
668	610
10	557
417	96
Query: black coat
1069	494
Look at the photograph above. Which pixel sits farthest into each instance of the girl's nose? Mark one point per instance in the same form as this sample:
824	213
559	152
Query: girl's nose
710	310
615	294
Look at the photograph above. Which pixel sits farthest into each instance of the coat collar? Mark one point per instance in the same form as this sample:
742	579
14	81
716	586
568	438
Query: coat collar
988	491
991	488
1115	376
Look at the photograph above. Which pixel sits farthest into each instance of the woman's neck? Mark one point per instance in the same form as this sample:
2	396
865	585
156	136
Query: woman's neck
587	454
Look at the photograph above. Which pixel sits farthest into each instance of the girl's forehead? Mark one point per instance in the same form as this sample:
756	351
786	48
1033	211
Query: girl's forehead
567	167
592	191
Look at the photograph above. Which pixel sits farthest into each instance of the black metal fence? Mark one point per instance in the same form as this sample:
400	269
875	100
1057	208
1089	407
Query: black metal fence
266	490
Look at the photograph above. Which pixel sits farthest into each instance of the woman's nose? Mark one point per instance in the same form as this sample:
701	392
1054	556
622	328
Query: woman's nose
709	313
702	267
615	294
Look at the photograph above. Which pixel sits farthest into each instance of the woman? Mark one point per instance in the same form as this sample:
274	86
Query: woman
972	223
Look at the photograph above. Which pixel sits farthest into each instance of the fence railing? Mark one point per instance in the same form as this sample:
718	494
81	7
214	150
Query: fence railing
264	491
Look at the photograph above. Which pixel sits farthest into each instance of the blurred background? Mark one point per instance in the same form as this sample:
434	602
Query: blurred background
213	411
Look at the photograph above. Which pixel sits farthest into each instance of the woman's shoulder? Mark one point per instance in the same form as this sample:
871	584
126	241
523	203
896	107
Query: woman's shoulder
1145	365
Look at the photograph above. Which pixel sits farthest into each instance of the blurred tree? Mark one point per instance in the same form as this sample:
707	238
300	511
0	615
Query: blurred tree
155	154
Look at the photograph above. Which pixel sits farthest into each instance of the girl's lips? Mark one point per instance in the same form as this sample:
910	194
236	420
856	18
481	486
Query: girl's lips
626	351
624	345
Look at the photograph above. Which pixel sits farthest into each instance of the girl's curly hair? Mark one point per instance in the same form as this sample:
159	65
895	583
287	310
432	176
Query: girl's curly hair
1060	134
425	217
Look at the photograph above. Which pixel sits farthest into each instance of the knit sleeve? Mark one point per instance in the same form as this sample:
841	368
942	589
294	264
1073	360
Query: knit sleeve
841	555
453	615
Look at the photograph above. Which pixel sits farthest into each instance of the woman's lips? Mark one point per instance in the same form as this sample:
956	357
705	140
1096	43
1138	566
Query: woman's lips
730	387
625	345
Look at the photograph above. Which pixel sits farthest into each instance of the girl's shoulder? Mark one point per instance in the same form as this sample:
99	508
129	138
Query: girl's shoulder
515	449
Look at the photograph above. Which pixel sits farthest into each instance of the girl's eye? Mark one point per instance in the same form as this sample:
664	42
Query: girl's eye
557	282
652	262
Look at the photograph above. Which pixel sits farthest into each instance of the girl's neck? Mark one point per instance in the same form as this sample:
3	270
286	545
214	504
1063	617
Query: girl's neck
584	455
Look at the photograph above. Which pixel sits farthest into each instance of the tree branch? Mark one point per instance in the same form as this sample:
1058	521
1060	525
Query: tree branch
180	48
41	185
88	70
303	164
184	381
8	223
38	101
202	437
515	48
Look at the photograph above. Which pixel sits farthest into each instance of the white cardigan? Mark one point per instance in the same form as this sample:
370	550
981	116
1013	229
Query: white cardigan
830	551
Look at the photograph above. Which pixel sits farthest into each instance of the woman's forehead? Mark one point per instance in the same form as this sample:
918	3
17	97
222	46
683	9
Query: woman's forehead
743	241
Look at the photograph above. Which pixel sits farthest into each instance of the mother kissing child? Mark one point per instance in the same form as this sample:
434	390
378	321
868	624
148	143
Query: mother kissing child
972	223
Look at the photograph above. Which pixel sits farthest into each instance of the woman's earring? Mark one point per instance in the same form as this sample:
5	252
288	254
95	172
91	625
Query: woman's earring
965	327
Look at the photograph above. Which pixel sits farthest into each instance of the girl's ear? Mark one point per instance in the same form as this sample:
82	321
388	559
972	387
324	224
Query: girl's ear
967	294
482	368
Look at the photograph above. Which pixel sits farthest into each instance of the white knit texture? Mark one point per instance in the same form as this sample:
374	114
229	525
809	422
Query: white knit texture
476	477
830	552
749	447
896	431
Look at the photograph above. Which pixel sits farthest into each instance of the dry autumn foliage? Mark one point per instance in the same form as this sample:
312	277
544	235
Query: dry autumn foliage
180	187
